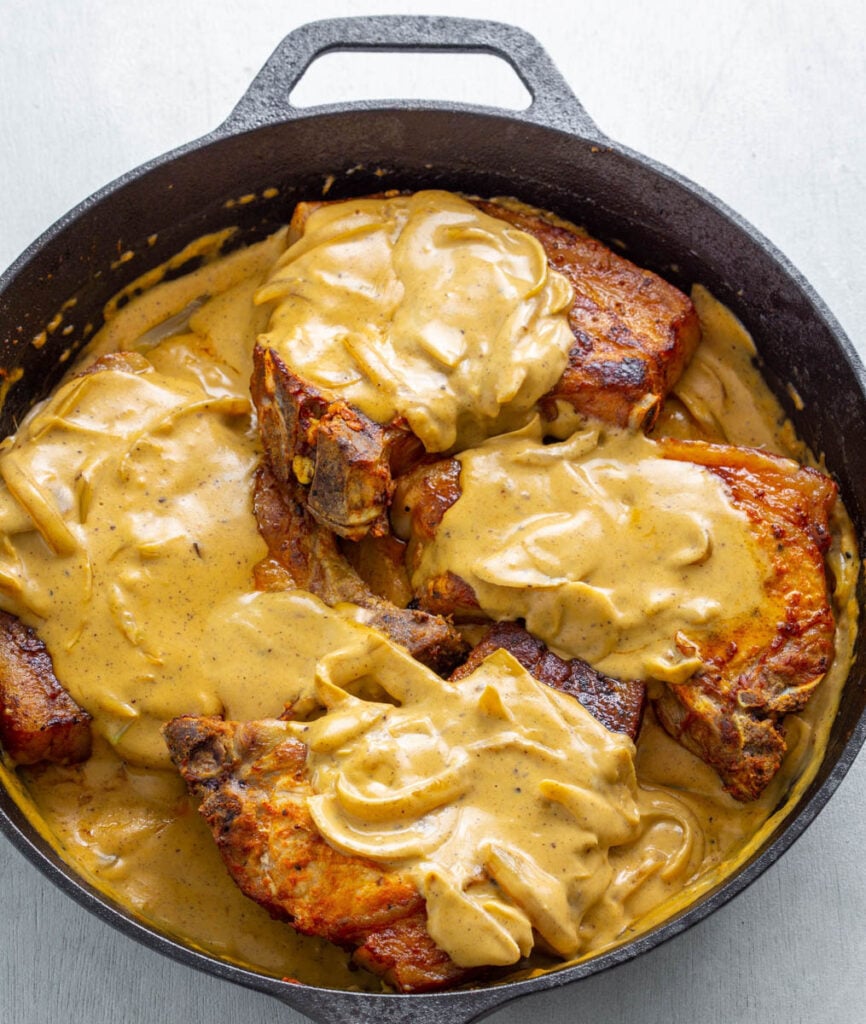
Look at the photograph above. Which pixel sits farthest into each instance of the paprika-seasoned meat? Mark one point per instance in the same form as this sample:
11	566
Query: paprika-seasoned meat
634	333
252	780
39	721
303	553
421	498
754	671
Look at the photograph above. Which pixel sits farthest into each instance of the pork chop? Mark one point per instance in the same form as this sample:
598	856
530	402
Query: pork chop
251	778
634	333
633	336
618	705
753	672
252	781
39	721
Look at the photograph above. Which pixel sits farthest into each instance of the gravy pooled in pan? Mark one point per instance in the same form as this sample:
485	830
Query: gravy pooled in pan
453	582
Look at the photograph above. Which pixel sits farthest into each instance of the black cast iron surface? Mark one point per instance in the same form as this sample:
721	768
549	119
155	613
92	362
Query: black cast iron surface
551	155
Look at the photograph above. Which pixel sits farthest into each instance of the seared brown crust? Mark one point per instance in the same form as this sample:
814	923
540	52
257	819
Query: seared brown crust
449	594
408	959
341	454
253	783
39	721
424	495
619	705
310	559
634	333
421	498
759	670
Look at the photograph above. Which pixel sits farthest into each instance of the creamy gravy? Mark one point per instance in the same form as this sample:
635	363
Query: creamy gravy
196	637
436	783
424	307
610	552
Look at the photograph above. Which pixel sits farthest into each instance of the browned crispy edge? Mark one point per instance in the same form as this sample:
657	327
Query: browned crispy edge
619	705
236	770
634	332
39	721
731	712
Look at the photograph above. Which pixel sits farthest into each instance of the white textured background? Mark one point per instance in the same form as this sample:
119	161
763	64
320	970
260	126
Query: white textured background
761	101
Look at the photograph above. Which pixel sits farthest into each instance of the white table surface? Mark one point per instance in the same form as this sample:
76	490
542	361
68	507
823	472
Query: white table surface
761	101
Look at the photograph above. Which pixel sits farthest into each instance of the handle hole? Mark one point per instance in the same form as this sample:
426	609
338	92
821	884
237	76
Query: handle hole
477	78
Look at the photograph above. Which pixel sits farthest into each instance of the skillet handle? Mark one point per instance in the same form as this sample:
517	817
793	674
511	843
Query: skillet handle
553	105
334	1007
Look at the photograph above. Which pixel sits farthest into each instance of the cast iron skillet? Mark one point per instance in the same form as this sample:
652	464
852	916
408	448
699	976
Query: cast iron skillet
551	155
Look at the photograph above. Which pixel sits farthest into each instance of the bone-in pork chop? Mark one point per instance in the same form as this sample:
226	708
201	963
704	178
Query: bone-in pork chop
251	778
633	335
753	672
